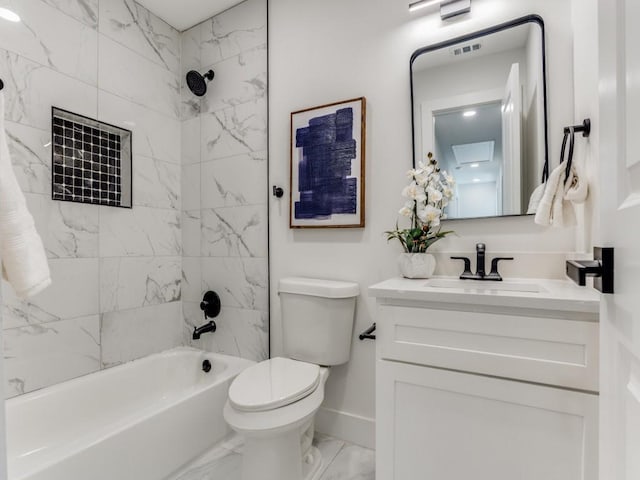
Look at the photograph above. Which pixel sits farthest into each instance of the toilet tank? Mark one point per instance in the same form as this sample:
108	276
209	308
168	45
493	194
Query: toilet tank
317	319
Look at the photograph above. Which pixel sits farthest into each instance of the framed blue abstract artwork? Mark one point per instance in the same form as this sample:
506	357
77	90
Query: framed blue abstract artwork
327	165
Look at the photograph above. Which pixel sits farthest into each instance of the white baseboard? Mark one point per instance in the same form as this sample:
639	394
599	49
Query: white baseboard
346	426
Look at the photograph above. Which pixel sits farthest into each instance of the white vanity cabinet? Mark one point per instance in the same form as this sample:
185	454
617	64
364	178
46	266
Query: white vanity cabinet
486	385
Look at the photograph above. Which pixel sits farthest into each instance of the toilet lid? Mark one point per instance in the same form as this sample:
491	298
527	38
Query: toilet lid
273	383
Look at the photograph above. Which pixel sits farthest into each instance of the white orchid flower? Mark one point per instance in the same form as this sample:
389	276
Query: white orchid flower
431	214
449	178
434	195
447	192
414	192
406	211
421	179
410	190
422	214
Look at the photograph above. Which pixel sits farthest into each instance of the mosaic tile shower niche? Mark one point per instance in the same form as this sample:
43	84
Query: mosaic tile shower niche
91	160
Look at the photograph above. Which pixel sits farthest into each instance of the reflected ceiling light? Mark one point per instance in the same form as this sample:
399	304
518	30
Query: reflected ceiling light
423	4
474	165
9	15
469	113
476	179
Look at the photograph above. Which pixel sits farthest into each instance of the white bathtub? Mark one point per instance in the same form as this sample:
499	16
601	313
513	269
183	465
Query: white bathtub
139	421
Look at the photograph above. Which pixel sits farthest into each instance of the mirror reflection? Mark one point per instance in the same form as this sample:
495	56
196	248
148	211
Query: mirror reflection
479	104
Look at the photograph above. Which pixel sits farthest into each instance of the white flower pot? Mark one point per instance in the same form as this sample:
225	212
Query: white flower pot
416	265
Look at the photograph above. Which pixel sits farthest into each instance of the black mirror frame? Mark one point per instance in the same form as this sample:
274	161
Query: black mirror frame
472	36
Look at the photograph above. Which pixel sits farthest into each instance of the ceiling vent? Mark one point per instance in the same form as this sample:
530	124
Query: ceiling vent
468	153
466	49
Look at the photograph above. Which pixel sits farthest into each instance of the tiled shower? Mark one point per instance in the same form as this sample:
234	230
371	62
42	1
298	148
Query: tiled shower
224	180
122	277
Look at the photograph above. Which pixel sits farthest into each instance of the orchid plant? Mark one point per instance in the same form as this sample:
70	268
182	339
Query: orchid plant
427	195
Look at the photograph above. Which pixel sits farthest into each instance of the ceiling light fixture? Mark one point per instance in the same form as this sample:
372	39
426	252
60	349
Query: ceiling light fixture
9	15
476	179
454	8
474	165
423	4
469	113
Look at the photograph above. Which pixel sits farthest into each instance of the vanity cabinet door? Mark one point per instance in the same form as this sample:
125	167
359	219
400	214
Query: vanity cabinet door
435	424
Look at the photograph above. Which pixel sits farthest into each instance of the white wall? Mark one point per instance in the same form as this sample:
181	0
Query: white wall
321	52
584	19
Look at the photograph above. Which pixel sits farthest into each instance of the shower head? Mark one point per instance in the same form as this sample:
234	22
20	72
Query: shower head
197	83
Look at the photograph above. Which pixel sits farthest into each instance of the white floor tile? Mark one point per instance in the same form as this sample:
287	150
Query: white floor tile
352	463
329	448
340	461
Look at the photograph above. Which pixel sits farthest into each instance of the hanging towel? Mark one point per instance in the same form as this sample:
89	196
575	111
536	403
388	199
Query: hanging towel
538	192
566	187
534	200
553	208
577	187
24	262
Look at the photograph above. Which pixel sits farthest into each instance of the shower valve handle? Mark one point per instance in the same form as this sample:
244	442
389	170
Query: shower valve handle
210	304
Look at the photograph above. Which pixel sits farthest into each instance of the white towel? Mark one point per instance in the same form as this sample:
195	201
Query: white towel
553	208
535	198
24	262
577	184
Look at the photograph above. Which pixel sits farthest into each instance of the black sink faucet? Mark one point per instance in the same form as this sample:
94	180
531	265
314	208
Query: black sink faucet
481	274
480	250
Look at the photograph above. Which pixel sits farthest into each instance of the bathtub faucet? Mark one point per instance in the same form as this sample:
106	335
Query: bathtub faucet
207	327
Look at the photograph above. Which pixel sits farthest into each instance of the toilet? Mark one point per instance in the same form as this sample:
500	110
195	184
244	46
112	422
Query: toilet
272	404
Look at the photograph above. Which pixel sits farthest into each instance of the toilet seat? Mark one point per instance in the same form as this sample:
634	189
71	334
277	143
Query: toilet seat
272	384
269	423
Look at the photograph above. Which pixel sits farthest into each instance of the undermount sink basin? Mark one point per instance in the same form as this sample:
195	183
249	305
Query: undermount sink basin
485	285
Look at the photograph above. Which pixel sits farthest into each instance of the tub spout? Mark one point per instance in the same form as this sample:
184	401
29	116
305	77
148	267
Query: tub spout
207	327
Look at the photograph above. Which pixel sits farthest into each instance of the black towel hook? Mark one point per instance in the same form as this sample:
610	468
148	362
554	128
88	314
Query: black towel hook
569	132
368	333
585	128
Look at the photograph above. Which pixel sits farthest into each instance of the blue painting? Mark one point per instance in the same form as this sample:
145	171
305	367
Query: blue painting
327	166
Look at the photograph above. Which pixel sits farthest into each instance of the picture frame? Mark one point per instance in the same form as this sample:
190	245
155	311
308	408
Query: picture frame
327	166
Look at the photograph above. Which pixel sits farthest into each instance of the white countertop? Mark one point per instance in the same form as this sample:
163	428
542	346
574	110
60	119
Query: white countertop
553	295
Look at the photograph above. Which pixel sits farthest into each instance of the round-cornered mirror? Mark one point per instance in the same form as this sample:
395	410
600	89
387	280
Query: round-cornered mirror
479	104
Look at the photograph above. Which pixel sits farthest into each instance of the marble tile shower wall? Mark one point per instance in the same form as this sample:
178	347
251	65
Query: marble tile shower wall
224	180
117	272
